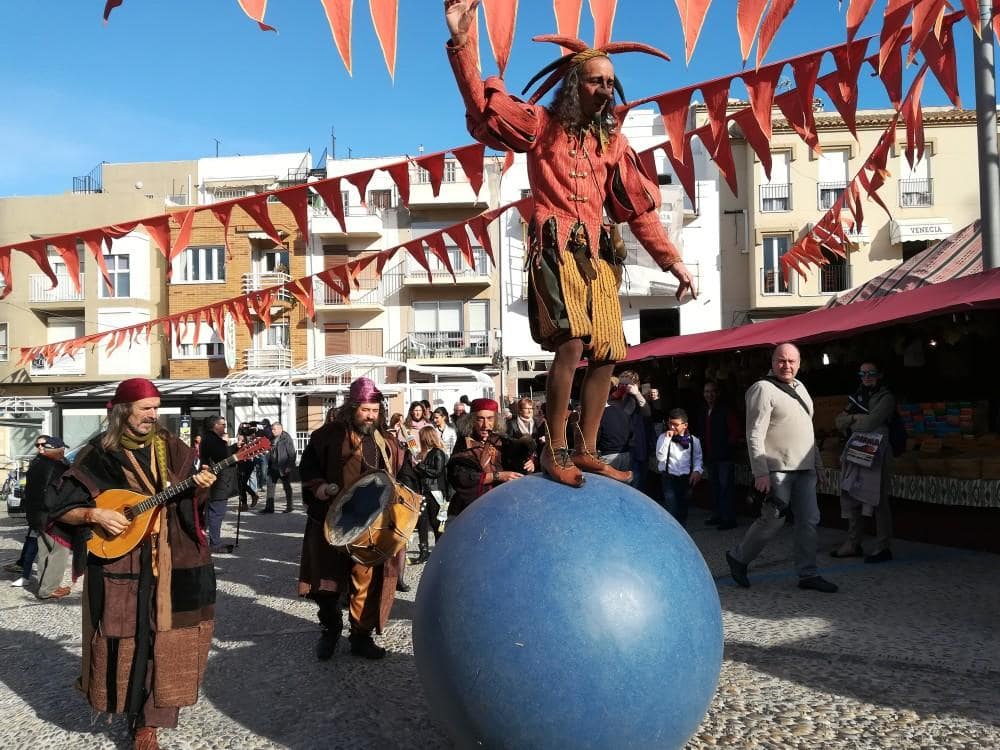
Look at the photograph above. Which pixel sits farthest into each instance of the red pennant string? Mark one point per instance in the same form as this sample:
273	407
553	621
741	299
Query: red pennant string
255	9
400	173
508	162
303	290
360	180
256	207
776	15
385	18
109	6
159	230
927	16
603	12
461	238
37	251
674	111
196	322
568	18
972	13
8	281
748	15
183	238
416	249
435	243
329	191
480	230
891	75
692	13
297	200
716	96
500	18
338	15
805	71
94	240
66	249
760	85
721	154
939	55
913	116
471	159
684	169
433	164
857	10
223	212
117	231
891	38
748	125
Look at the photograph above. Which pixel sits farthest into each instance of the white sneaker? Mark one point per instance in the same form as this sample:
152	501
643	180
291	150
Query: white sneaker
19	582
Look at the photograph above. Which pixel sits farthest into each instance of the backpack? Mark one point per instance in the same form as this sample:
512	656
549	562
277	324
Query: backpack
897	434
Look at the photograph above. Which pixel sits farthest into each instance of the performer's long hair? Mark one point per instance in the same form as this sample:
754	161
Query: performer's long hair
565	106
111	440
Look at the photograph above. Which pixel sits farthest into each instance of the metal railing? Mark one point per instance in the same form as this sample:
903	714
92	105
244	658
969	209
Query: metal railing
773	282
775	197
827	193
320	209
254	282
834	277
442	345
463	270
93	182
913	193
367	295
267	359
65	291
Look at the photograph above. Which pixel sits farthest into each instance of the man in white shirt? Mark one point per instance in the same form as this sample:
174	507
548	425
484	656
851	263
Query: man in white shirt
678	457
783	459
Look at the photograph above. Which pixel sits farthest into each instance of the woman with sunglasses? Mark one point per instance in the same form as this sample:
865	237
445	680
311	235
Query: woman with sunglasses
871	409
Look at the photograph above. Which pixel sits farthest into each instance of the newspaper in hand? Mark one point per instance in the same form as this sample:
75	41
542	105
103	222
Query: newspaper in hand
862	447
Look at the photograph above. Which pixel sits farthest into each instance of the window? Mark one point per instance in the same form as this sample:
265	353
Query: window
776	193
118	270
834	276
423	176
915	182
4	347
275	336
209	346
773	281
379	200
832	176
437	328
273	260
478	344
200	264
449	171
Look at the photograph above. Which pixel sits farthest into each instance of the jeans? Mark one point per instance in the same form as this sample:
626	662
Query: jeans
639	469
52	560
620	461
722	478
216	512
29	551
797	490
676	491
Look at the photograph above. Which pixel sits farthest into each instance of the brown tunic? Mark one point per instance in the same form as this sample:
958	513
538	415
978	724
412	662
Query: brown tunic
337	454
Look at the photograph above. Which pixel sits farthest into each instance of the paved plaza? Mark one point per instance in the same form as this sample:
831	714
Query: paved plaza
907	655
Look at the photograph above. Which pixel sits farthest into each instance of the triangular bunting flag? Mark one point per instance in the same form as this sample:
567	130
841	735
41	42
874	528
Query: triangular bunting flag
385	18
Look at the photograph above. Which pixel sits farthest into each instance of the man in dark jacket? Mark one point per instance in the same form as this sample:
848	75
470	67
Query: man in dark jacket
52	558
720	432
280	462
215	448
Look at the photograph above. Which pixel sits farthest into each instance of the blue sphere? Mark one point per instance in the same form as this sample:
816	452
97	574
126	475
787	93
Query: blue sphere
557	617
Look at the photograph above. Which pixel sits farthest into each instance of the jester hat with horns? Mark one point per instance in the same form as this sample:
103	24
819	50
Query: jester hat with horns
579	54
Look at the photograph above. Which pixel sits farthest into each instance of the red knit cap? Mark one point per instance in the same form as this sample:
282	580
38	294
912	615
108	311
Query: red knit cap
484	404
134	389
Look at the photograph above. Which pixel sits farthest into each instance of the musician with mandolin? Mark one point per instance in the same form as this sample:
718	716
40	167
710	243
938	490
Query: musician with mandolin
132	501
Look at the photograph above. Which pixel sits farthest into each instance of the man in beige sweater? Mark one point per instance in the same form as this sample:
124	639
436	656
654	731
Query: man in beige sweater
783	459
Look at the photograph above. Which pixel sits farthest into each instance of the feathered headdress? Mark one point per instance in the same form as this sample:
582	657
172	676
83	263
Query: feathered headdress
580	54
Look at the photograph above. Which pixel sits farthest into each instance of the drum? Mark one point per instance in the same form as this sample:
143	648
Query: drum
373	519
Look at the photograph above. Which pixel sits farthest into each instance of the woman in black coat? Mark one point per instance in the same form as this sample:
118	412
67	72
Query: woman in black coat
430	468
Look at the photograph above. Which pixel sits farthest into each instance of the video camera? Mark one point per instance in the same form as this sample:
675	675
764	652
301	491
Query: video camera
249	429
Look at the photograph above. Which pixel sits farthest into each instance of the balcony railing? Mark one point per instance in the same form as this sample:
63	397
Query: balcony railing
416	272
773	282
775	197
267	359
914	193
372	291
60	365
827	194
834	277
254	282
65	291
442	345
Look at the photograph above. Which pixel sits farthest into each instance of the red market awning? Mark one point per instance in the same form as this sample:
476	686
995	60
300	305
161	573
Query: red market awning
973	292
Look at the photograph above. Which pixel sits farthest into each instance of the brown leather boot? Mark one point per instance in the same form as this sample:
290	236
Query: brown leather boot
556	462
145	739
587	461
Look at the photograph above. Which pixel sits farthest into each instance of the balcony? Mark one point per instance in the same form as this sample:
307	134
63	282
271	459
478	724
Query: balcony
60	366
370	297
361	221
65	291
772	283
834	277
827	194
455	188
415	274
254	282
267	359
775	198
443	345
916	193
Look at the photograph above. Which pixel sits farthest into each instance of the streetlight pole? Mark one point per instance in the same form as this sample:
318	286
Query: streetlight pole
986	125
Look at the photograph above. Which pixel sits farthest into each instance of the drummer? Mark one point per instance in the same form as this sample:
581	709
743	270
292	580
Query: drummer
339	453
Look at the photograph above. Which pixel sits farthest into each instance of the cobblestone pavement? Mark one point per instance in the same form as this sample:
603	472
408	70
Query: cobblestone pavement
907	655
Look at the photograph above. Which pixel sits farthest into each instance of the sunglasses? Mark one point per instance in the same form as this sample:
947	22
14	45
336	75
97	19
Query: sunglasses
39	445
868	373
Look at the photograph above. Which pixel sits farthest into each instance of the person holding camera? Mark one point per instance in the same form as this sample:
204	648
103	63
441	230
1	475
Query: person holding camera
280	462
783	459
678	457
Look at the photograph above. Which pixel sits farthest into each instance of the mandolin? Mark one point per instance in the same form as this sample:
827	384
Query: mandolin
136	507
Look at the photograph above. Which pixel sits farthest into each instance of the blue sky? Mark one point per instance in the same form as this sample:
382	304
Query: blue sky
164	79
